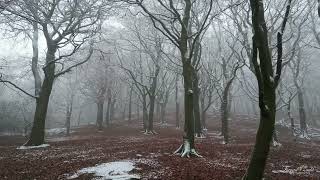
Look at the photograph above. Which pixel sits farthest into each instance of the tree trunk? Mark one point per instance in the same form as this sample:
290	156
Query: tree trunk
37	132
290	117
196	106
130	105
188	147
100	114
163	113
144	113
267	84
107	118
112	111
188	103
225	110
152	97
151	111
224	120
35	58
203	113
302	113
263	139
177	103
79	117
124	112
68	118
158	112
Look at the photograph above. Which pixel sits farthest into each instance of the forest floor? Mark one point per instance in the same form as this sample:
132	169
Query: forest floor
153	154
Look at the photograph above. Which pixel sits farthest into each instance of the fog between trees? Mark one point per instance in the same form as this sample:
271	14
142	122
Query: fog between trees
66	64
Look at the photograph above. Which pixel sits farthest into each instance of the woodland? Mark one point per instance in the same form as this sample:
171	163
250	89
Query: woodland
159	89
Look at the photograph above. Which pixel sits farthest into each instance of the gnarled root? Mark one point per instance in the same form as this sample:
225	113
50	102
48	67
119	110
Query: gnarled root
148	132
185	150
200	135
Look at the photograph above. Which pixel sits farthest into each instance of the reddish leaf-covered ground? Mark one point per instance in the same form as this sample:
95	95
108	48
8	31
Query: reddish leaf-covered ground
153	154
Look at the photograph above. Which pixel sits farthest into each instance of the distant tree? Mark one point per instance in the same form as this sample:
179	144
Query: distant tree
144	74
95	83
174	21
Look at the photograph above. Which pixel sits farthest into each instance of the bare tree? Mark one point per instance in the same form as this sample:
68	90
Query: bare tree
175	26
267	84
61	27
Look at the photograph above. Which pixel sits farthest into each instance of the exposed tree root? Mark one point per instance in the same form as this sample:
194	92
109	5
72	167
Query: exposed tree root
185	151
148	132
304	134
200	135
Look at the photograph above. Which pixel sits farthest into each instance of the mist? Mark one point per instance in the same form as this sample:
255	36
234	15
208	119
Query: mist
133	89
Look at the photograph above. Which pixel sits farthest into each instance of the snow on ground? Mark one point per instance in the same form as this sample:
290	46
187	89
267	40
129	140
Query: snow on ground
55	131
113	170
301	170
276	144
216	135
33	147
11	134
149	162
312	131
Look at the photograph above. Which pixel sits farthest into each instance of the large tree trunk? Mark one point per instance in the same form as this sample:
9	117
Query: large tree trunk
177	103
263	137
225	110
196	106
151	112
267	84
37	132
188	147
100	114
35	58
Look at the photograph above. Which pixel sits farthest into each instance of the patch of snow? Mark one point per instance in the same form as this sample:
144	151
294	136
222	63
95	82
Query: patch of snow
149	162
216	135
276	144
307	156
55	131
33	147
186	55
113	170
11	134
190	91
223	142
139	155
271	79
301	170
